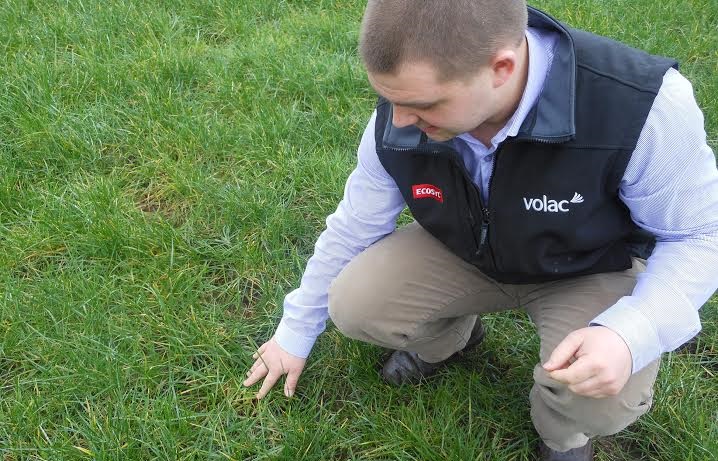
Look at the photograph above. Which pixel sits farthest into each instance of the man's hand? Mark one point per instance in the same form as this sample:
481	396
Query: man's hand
593	361
273	362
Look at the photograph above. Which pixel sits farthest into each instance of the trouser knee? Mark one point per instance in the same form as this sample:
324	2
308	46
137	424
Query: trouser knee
361	311
592	416
352	308
341	310
566	419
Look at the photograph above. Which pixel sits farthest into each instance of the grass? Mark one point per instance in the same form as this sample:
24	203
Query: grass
165	168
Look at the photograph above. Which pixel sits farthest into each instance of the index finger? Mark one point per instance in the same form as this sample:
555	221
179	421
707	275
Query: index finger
258	373
563	353
260	351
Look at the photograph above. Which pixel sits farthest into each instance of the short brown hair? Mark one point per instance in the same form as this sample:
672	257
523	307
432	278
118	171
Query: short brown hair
457	36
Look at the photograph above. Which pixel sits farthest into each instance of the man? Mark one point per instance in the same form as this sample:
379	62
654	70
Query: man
542	164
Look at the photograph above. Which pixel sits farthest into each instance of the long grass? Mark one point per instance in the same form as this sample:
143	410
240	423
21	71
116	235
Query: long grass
165	168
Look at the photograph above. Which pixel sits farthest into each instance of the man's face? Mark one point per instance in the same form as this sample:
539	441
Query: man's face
442	110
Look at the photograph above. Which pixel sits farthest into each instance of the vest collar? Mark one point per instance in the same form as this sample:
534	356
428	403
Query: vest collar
552	119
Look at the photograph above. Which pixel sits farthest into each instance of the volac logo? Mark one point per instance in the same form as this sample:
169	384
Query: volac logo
427	191
547	205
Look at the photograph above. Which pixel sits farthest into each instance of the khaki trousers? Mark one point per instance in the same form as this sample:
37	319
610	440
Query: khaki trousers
408	291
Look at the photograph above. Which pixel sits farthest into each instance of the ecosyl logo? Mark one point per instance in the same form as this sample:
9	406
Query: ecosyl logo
547	205
427	191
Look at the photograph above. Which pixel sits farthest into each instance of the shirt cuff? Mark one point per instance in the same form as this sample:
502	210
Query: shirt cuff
637	331
292	342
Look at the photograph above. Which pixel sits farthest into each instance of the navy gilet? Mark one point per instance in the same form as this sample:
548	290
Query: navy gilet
553	210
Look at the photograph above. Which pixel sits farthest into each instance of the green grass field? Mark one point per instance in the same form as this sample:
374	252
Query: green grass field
165	168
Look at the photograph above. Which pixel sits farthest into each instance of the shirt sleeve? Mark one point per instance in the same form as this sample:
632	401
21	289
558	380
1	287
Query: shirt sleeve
671	189
368	211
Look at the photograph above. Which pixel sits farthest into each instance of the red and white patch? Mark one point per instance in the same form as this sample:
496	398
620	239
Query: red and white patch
427	191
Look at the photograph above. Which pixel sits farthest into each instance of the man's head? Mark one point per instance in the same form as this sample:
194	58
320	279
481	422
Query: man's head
444	65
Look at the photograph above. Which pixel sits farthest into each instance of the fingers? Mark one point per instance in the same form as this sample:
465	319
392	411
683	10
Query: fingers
566	349
269	382
258	371
592	387
579	383
290	383
260	351
578	372
271	363
585	377
271	372
259	363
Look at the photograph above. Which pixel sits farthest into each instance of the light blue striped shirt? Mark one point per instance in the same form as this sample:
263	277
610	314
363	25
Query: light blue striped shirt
670	187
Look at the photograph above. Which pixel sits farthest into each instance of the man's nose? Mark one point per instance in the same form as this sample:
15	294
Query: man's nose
403	117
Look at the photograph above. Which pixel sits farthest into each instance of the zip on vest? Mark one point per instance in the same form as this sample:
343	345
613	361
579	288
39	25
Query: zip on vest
485	214
482	244
484	225
485	208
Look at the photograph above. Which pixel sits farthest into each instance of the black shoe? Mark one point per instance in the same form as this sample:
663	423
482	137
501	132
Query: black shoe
584	453
405	367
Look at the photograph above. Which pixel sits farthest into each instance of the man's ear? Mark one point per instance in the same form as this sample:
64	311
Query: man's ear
503	65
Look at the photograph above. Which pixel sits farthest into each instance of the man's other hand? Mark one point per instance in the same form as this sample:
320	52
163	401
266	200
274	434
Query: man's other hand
594	362
273	362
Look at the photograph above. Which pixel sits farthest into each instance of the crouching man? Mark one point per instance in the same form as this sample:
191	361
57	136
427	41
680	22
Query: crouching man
547	169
